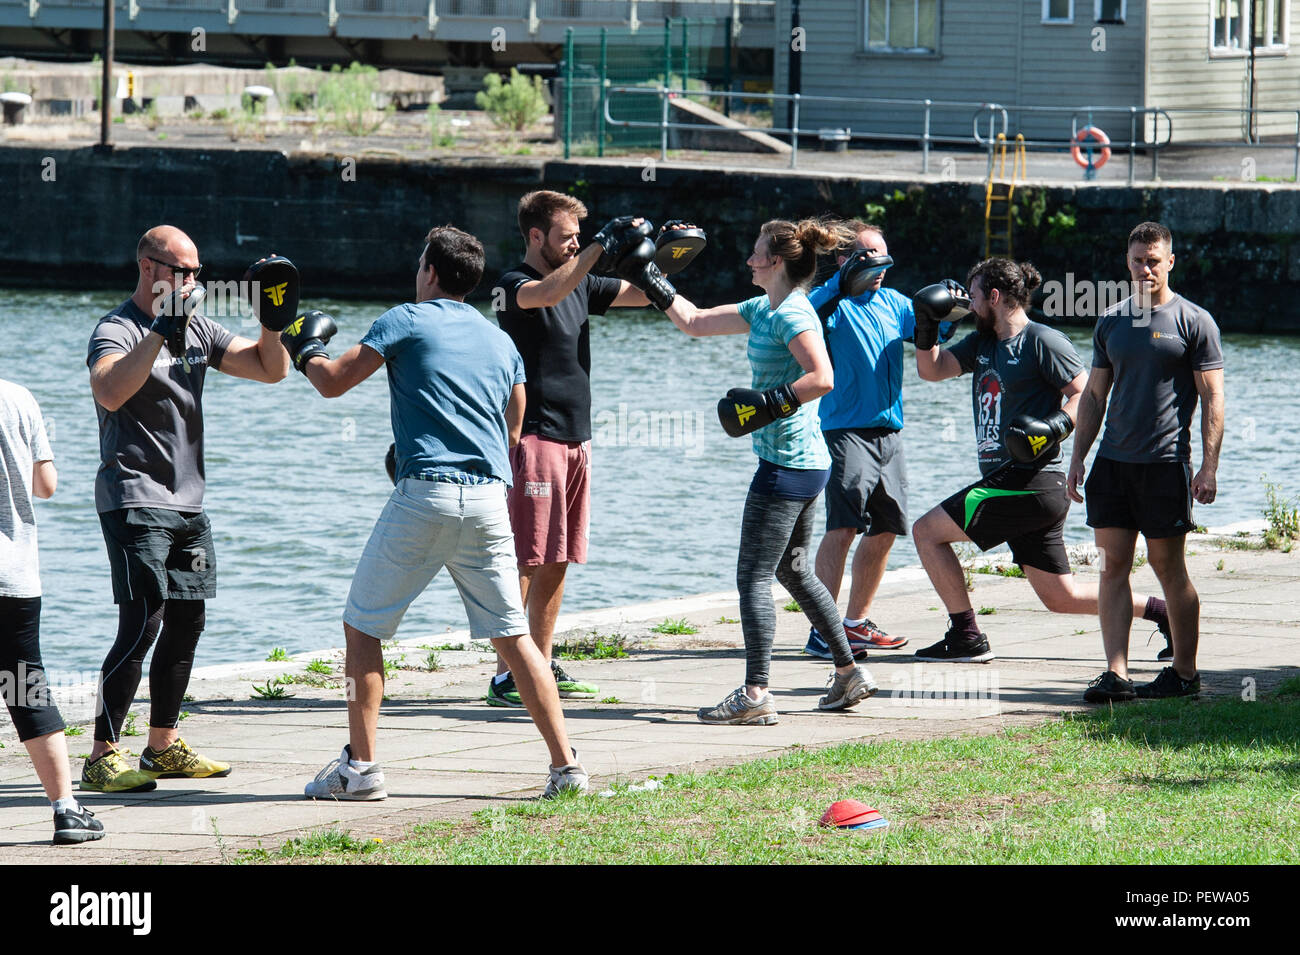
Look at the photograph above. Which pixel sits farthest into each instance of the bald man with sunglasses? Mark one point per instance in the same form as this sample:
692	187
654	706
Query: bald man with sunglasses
148	358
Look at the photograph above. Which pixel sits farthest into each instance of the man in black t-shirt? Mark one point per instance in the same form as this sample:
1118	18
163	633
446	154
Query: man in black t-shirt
1153	356
543	304
1021	371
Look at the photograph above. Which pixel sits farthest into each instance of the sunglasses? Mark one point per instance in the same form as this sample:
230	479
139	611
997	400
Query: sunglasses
176	269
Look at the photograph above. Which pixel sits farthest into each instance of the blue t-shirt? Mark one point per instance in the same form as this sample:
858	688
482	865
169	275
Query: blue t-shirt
865	339
794	442
450	374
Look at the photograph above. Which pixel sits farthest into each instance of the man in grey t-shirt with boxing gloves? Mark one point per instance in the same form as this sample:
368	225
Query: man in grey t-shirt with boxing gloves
148	358
1156	353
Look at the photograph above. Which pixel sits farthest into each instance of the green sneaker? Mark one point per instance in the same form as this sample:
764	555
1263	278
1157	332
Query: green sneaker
112	774
503	693
571	689
178	761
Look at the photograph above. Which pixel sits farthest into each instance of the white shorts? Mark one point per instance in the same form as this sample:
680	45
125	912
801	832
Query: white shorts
425	526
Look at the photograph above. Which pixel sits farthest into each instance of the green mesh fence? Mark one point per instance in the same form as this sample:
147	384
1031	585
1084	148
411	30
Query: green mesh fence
692	54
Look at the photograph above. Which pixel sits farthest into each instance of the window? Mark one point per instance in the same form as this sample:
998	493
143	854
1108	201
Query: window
1236	25
902	26
1058	11
1110	11
1269	20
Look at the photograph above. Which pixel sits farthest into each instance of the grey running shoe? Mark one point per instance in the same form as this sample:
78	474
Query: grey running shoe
848	690
339	780
739	710
565	778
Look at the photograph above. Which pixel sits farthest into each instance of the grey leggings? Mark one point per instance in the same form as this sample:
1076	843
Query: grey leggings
776	539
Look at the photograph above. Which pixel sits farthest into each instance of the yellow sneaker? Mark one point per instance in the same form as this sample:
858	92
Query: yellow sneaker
112	774
178	761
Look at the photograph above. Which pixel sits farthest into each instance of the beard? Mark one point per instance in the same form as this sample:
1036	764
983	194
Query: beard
553	257
984	324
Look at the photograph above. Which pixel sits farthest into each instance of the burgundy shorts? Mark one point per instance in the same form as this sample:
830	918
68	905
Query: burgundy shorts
550	502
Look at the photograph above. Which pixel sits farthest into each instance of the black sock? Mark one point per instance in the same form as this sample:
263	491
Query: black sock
963	624
1155	609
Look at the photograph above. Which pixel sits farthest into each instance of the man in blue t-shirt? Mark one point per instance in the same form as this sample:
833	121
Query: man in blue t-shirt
862	418
456	383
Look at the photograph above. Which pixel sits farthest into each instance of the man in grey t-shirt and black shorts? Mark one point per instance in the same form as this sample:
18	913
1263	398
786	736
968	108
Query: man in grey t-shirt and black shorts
147	367
1021	371
1155	353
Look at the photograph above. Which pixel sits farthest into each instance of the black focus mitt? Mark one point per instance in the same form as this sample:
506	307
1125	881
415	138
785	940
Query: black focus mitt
860	270
272	286
679	242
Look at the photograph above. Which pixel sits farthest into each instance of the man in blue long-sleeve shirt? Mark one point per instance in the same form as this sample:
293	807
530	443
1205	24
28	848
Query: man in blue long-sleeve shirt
862	419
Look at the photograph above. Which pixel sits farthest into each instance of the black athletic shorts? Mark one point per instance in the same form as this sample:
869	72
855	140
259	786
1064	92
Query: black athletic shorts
868	486
1022	508
1154	499
155	554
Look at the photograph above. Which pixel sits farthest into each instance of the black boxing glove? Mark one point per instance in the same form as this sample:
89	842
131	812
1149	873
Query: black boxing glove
617	237
933	304
390	463
636	265
172	319
307	336
1031	439
744	410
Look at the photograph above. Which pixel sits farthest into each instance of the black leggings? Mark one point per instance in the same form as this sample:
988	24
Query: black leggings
138	623
776	539
22	675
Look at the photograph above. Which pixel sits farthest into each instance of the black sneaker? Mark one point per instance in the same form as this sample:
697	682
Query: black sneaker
1110	687
1162	624
1169	684
504	693
953	649
76	825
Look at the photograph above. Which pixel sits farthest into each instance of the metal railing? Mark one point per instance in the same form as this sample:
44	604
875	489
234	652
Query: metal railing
994	114
992	117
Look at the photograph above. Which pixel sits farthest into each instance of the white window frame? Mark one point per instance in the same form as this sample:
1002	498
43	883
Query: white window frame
1047	13
1123	12
1245	29
900	50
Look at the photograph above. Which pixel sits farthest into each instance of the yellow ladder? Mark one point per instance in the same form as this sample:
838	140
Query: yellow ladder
997	196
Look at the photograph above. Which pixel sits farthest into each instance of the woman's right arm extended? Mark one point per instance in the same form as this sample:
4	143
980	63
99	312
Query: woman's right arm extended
701	322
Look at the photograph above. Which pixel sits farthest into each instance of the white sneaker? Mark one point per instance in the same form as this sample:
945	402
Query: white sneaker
339	780
562	778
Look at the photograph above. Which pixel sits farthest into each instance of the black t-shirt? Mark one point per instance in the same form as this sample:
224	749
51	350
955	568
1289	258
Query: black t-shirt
555	344
1024	374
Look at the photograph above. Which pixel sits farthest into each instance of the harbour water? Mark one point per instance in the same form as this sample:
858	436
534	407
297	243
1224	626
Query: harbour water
296	481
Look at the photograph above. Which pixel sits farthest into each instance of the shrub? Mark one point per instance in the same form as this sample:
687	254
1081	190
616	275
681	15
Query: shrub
512	104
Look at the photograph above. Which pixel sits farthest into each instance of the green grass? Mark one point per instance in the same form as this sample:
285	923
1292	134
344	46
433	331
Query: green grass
793	606
320	666
1001	570
725	619
130	728
73	730
433	661
985	611
674	626
272	691
1166	782
595	646
611	699
278	655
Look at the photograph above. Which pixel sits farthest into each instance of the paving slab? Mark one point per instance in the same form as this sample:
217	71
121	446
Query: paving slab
446	754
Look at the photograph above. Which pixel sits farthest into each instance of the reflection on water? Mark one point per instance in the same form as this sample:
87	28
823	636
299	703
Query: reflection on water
296	481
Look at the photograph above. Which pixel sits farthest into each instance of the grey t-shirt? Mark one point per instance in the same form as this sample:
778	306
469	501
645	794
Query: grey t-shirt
151	448
1022	375
1153	392
22	443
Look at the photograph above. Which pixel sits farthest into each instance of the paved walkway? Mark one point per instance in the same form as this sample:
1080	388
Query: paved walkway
446	754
